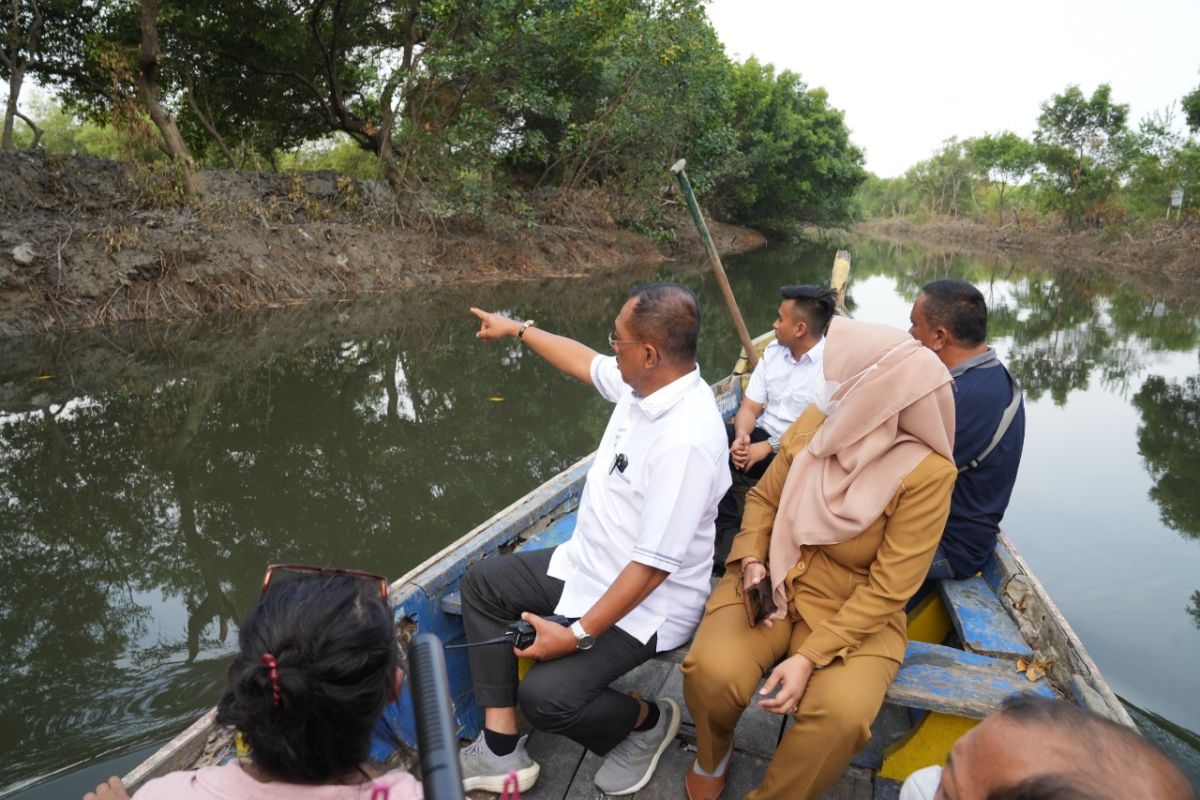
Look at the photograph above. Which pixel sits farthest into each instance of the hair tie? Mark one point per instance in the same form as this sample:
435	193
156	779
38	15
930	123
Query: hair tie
269	660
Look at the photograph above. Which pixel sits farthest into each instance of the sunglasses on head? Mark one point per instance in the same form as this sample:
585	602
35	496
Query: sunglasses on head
277	573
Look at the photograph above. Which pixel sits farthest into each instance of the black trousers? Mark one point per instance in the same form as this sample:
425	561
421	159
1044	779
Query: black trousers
568	696
729	510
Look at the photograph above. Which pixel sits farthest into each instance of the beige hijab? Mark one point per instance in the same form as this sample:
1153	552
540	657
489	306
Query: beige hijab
894	407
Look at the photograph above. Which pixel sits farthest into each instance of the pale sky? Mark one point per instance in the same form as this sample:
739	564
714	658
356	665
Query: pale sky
910	75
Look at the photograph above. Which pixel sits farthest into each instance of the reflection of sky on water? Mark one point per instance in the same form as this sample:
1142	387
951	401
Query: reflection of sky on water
66	411
1082	516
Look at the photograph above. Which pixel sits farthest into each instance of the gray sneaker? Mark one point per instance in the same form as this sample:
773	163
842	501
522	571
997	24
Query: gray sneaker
483	769
630	765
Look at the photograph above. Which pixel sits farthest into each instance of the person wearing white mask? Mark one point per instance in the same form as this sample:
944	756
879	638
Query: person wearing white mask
839	533
1034	747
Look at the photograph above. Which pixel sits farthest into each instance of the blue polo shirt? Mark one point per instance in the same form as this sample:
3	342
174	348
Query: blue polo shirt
982	390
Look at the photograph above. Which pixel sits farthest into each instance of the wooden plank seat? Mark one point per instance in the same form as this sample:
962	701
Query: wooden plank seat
952	681
982	624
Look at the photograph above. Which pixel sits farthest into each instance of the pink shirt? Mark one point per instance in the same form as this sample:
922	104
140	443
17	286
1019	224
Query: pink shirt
230	782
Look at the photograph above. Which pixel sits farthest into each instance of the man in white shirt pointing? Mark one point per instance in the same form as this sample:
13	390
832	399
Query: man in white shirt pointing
634	575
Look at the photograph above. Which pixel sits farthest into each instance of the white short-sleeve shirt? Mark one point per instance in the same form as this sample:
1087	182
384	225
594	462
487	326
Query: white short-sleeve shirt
659	510
784	385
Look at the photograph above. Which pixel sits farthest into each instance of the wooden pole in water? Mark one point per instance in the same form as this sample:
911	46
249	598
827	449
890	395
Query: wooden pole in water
839	278
715	262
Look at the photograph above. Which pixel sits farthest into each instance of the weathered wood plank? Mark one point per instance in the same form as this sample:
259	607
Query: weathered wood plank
757	732
646	680
178	754
855	784
1045	626
886	790
953	681
674	656
983	624
667	783
552	535
444	569
559	758
891	723
1000	567
746	772
583	787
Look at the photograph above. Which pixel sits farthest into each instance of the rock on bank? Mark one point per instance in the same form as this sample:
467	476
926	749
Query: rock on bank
86	242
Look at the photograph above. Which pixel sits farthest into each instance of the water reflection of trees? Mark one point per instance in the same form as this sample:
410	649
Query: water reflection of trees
1064	324
183	489
1170	448
160	469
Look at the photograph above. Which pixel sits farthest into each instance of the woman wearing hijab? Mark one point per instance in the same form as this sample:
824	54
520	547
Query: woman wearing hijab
842	527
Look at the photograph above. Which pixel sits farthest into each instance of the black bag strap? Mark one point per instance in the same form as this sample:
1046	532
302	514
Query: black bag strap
1005	421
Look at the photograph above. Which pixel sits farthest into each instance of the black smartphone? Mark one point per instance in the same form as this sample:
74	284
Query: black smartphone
759	601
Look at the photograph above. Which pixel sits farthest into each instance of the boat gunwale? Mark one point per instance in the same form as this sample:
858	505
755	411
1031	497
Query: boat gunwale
1035	634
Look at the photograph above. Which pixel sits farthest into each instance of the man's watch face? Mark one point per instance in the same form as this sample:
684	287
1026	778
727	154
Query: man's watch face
583	639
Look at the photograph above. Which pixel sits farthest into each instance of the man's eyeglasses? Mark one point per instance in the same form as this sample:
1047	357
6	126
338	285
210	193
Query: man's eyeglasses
278	573
614	341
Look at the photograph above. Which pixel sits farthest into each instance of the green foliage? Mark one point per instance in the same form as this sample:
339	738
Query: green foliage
795	161
1159	160
65	134
1191	109
1002	160
885	197
1170	411
336	152
610	92
1080	146
943	182
1083	163
457	102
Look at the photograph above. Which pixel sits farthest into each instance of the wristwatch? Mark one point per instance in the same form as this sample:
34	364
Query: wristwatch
774	442
583	639
525	325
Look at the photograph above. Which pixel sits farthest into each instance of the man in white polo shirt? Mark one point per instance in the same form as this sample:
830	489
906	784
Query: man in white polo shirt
781	386
634	575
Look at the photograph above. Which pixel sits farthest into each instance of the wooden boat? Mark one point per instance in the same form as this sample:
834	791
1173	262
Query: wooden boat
966	645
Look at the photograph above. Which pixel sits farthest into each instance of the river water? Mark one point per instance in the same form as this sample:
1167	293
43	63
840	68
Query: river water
147	475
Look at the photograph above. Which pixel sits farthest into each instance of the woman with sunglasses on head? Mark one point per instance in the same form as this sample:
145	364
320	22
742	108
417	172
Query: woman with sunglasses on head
317	663
837	535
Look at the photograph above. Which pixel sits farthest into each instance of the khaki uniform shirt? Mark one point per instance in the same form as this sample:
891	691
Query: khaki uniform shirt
851	595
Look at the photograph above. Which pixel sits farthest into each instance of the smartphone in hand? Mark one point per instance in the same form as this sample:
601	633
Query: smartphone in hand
759	601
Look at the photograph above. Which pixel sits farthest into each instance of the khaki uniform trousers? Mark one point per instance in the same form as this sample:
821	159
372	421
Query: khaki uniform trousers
721	672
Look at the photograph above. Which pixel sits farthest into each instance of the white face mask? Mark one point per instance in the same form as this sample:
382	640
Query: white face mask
922	784
823	398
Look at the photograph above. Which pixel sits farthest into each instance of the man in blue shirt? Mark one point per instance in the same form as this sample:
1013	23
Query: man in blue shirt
950	318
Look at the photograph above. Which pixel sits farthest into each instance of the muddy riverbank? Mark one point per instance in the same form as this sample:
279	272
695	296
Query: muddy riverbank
1171	249
86	242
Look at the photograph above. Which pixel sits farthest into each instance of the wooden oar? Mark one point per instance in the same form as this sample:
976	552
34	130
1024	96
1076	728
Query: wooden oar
715	262
839	278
